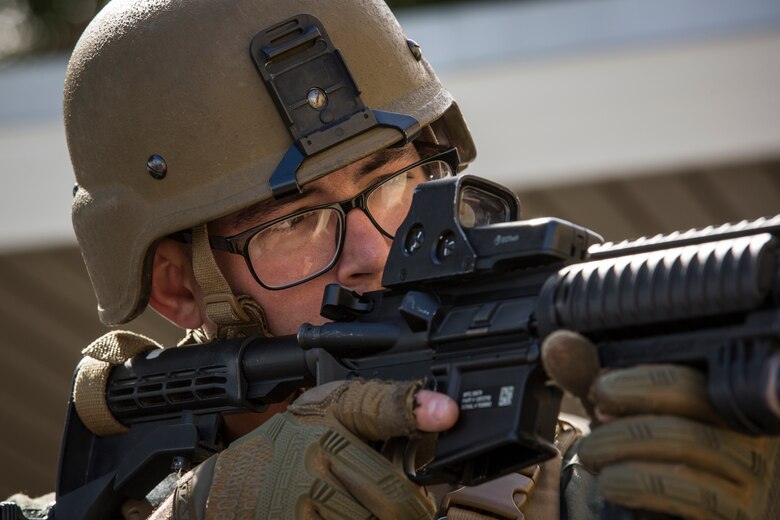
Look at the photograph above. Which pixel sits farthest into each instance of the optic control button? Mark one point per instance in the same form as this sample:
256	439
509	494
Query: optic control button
414	239
446	246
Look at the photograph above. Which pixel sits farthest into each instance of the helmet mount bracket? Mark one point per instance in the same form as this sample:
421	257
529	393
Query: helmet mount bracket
315	94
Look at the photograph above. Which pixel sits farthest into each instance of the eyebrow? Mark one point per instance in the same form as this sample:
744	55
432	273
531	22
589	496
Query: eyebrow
253	213
249	215
381	159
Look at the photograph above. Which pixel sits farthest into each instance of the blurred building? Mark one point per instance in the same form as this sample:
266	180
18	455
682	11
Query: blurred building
631	117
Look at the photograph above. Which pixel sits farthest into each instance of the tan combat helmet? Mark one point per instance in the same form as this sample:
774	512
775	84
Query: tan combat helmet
181	111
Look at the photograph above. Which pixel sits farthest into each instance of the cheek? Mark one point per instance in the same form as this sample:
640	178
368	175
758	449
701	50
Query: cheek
235	271
286	309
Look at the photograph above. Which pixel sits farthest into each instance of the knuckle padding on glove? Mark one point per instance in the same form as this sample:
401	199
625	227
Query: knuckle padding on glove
674	489
373	410
378	410
672	439
682	467
662	389
307	464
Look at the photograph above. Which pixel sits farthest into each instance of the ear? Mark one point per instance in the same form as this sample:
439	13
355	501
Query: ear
176	295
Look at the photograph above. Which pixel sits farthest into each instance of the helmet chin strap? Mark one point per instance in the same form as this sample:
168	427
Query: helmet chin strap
233	316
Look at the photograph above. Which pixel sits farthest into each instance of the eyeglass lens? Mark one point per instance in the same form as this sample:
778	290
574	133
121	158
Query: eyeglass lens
307	244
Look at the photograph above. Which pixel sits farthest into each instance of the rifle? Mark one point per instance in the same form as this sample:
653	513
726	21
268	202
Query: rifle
470	294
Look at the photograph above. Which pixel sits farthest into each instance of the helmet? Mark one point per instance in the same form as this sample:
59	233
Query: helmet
178	112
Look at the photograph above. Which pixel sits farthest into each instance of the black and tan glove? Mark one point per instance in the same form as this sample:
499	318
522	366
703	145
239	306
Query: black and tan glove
312	462
658	444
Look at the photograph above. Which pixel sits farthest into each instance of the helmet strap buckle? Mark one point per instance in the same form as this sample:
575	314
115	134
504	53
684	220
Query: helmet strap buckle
228	299
234	316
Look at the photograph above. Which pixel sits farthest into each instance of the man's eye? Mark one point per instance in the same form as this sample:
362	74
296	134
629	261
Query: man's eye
294	221
418	174
287	225
397	180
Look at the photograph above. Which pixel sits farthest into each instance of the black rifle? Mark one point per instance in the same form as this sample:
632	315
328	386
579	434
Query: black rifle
471	293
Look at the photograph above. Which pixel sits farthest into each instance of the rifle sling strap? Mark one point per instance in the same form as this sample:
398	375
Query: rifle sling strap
89	388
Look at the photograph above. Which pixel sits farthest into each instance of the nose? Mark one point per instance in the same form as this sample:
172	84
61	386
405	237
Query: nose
364	254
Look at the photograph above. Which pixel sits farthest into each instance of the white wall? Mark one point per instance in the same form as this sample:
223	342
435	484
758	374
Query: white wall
624	112
554	91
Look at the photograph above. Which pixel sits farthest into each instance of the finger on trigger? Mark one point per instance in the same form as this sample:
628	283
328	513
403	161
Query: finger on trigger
655	389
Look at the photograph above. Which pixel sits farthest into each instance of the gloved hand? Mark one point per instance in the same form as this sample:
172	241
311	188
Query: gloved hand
311	462
658	444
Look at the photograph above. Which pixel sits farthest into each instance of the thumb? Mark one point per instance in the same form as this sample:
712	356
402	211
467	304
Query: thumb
435	412
572	362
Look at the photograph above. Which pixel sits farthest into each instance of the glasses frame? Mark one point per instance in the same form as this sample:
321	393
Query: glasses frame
239	244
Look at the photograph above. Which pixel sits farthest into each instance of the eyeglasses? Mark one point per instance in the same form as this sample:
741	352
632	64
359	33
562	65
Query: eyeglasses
296	248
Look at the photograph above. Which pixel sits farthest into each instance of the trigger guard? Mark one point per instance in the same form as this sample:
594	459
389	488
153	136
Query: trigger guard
407	461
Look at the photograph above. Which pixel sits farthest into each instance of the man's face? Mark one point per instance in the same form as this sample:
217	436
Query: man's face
363	255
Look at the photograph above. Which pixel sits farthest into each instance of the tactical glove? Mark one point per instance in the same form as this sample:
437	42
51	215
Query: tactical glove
660	446
312	462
